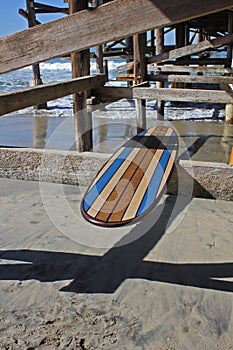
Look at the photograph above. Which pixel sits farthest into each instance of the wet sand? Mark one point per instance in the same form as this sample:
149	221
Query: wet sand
170	287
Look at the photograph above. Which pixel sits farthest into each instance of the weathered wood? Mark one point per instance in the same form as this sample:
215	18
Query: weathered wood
192	49
193	61
230	45
110	94
111	21
15	100
192	95
180	35
199	61
125	77
126	67
81	67
139	43
43	8
229	114
24	14
152	33
99	57
189	69
190	79
160	85
206	79
36	79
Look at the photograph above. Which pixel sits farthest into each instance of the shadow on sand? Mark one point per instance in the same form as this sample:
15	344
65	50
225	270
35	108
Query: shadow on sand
94	274
104	274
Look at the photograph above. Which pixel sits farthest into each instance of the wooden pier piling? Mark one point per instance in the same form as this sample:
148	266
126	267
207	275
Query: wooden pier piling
81	67
160	84
36	78
140	70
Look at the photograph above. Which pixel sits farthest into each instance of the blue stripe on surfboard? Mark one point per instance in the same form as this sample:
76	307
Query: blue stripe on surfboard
152	189
107	175
102	182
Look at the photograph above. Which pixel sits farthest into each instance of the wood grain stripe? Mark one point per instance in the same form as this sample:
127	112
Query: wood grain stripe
120	196
112	159
101	199
131	187
139	194
99	202
113	200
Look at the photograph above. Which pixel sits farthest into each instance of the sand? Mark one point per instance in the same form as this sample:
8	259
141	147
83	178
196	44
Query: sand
170	289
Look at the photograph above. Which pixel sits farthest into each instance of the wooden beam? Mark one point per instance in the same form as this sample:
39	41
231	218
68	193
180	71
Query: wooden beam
43	8
192	49
111	21
189	63
139	43
192	95
15	100
190	69
24	14
61	10
160	85
140	71
36	78
190	79
230	45
111	94
99	58
199	61
81	67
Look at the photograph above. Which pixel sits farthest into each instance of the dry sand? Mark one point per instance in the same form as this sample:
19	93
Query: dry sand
170	289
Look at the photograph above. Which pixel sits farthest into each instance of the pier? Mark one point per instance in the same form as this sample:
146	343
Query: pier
186	68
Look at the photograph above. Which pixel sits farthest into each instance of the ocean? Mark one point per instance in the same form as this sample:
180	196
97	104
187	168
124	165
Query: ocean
112	124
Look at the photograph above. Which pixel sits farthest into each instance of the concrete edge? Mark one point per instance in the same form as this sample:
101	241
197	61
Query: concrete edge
208	179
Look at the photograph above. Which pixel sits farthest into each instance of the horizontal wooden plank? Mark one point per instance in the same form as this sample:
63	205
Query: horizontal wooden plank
206	79
189	69
49	8
192	49
19	99
111	94
111	21
206	61
173	67
191	95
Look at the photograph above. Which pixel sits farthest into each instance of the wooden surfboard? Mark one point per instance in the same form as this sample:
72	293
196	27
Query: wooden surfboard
133	179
